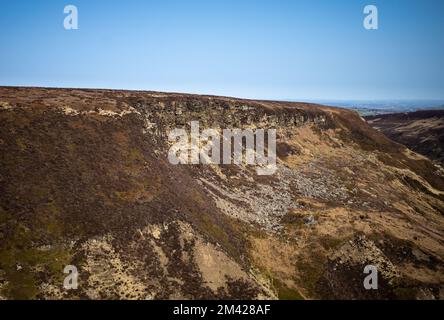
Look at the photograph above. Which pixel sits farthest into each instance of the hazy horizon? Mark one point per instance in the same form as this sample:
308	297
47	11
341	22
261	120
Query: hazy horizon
335	102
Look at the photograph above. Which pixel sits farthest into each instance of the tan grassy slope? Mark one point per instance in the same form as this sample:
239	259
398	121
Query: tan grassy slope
85	180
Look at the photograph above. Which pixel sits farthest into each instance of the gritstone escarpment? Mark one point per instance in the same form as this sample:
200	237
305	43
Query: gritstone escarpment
85	181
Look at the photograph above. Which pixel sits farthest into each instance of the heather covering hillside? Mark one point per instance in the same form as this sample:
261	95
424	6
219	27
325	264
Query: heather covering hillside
85	181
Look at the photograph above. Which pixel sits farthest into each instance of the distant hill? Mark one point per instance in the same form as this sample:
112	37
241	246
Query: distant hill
369	108
421	131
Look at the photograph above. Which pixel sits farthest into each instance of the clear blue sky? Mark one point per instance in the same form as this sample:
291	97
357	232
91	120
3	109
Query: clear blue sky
310	49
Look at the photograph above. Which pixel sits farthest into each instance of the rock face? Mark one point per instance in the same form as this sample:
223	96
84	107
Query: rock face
421	131
85	181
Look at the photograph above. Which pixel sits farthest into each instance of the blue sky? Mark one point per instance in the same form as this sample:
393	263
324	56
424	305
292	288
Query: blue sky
309	49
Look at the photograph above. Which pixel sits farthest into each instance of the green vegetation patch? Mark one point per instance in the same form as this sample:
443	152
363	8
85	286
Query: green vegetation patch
286	293
22	268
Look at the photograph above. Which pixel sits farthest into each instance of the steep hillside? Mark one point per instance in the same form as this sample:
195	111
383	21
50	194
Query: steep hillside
421	131
85	180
